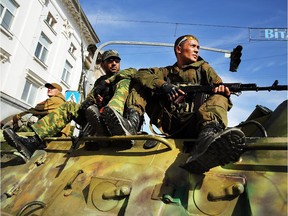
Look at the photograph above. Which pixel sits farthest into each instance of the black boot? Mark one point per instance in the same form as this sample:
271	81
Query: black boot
81	112
206	136
96	127
93	117
135	119
25	146
118	125
215	147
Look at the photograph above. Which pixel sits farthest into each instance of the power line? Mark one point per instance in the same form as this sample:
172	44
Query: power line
172	23
182	23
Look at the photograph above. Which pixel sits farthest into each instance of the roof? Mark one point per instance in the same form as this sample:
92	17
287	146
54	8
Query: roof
87	30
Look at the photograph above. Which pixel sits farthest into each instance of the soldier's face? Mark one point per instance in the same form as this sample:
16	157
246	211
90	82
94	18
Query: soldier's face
111	65
51	91
188	51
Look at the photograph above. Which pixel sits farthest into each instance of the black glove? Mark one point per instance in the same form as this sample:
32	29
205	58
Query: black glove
99	89
170	90
107	94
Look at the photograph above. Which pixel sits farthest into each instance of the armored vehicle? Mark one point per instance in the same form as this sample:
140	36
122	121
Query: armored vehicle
115	180
112	180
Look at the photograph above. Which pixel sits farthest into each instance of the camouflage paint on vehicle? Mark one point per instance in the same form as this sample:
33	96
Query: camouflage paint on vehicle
113	180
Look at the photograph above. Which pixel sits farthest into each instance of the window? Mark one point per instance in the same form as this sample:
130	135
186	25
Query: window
66	72
4	55
51	21
7	11
29	93
42	48
72	49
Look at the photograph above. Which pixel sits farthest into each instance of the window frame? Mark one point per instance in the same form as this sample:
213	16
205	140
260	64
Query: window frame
3	13
72	50
51	22
29	93
67	72
42	50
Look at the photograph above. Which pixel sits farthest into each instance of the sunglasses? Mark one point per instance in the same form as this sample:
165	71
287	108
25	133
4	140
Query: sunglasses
110	60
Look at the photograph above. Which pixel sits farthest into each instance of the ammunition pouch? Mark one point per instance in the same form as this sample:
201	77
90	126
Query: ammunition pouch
173	117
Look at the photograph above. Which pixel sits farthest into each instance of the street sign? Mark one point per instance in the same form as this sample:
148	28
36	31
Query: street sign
269	34
73	96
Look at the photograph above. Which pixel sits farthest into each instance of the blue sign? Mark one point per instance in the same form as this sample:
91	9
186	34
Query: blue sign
275	34
73	96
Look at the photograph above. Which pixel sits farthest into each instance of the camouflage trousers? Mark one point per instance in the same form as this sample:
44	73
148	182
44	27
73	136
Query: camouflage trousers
119	98
54	122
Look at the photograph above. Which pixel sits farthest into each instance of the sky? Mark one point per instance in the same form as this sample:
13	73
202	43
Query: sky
222	24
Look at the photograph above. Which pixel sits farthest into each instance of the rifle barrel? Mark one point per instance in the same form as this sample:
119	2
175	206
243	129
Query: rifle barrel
254	87
274	88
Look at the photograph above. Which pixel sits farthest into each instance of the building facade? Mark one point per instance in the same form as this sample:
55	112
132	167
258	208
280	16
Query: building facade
41	41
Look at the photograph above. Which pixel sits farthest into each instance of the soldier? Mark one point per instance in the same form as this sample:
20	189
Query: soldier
205	120
87	111
22	121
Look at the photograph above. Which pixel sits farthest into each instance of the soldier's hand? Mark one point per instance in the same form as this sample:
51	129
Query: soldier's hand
99	99
100	88
15	119
221	89
171	91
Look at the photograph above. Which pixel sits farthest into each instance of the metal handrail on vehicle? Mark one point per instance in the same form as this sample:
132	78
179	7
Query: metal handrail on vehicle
252	143
160	139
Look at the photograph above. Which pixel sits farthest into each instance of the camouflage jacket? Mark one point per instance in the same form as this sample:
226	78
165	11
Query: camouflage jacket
199	72
45	107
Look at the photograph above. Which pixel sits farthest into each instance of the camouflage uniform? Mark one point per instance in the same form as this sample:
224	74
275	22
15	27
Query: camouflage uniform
42	109
180	123
68	111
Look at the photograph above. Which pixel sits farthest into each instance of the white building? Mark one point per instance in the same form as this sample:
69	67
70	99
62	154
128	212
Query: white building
40	42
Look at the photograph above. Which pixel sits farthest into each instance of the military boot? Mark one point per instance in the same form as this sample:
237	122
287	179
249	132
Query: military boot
96	127
93	117
25	146
118	125
135	119
215	147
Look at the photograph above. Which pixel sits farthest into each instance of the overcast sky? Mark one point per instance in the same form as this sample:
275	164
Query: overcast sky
222	24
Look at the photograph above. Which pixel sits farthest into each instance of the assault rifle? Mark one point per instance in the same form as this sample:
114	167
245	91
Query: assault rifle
198	91
235	88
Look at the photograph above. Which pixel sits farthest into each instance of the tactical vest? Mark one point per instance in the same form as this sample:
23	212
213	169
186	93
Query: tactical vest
194	76
179	114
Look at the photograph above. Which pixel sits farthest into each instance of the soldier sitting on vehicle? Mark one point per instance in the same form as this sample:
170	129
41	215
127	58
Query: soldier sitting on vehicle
206	121
87	111
22	122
